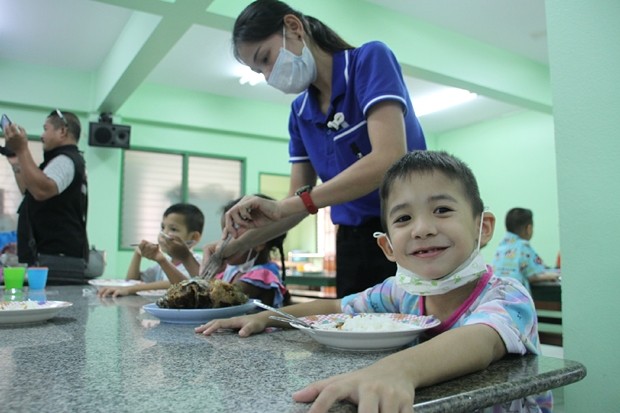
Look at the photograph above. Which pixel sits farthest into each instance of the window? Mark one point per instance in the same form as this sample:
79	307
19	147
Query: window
153	181
10	197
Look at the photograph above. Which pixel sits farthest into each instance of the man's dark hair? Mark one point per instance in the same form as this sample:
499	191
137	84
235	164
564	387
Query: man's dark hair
68	120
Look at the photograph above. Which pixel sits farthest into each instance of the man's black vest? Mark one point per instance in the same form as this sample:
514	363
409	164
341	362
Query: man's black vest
57	225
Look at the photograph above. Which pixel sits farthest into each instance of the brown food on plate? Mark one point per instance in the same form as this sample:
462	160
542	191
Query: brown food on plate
198	293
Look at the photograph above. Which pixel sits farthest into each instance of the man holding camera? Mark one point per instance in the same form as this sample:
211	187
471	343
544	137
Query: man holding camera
51	229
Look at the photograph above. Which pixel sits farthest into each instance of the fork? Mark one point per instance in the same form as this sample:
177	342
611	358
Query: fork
215	261
286	317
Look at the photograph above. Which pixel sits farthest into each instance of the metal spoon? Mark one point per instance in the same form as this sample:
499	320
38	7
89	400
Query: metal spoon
287	317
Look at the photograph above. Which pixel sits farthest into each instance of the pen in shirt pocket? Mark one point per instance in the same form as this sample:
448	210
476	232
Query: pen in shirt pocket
356	150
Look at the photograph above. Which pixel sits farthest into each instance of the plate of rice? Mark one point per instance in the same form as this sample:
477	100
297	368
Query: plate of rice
23	312
367	331
102	283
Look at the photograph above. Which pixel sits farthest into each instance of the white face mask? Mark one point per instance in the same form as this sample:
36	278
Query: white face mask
241	268
471	269
292	73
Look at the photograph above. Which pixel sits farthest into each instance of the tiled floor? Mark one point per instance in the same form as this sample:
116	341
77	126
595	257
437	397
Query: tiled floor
558	394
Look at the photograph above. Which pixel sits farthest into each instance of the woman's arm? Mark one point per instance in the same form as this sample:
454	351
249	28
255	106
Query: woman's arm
386	129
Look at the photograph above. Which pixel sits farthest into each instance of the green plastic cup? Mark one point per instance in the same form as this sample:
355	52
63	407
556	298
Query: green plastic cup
14	278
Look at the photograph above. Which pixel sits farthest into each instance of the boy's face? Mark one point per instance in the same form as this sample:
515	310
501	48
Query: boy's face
174	224
430	225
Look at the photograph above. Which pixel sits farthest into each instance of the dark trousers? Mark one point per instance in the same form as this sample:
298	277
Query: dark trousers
360	263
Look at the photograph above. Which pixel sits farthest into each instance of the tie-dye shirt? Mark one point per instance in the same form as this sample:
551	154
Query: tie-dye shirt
515	257
501	303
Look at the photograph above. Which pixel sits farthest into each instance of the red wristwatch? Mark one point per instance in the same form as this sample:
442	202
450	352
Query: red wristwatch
304	194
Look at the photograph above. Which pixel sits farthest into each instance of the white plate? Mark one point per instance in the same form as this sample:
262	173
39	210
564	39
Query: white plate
152	293
39	311
197	316
113	283
325	333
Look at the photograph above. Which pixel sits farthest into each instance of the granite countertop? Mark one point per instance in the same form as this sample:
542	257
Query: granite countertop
109	355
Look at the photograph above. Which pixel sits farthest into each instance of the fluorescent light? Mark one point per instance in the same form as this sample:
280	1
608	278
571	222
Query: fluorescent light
441	100
249	76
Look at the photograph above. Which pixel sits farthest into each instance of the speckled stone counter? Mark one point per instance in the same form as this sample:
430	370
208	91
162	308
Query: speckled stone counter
110	355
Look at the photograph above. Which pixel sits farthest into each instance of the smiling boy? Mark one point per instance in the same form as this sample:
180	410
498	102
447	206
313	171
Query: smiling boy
435	224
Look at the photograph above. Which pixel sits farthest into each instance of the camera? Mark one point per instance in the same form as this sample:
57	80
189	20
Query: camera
6	151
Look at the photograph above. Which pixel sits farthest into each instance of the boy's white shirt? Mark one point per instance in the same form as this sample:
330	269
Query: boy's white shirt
156	273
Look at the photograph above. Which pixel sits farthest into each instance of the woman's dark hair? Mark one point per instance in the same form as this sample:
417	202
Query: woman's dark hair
263	18
274	243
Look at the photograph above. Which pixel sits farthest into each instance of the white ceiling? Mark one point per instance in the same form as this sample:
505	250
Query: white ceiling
81	34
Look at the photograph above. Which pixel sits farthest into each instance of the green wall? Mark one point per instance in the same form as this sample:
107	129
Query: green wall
514	161
583	47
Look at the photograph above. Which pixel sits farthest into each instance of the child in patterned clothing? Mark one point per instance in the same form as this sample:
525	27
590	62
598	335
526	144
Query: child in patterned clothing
515	257
434	221
255	272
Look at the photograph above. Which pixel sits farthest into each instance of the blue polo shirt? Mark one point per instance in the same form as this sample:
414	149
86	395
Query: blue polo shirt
361	78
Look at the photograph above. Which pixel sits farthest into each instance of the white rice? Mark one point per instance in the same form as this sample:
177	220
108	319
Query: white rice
18	305
369	323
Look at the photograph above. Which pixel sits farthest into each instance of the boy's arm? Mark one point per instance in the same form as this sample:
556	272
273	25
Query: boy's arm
390	383
132	289
255	323
155	285
171	271
179	251
133	271
544	277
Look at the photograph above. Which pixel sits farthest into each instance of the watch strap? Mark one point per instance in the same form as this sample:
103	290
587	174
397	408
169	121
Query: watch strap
307	200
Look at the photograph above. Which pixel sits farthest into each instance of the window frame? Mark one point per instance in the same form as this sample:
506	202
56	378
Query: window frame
185	155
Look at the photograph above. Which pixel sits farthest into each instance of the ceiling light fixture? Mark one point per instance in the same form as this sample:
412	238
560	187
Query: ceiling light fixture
442	100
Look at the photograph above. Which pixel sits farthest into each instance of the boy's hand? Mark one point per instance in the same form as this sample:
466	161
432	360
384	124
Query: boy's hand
151	251
176	247
113	292
374	389
247	325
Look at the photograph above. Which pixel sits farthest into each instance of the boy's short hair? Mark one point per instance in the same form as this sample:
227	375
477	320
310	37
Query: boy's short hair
517	219
194	218
422	161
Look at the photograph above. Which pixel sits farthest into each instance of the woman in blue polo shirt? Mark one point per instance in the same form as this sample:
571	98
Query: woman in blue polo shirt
352	120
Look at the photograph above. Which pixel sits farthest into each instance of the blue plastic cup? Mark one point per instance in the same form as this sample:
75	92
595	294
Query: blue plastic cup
37	277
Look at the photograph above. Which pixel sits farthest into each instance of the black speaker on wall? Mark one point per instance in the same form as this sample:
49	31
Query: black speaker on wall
106	134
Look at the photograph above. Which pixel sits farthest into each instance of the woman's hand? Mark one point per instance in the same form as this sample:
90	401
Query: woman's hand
251	212
376	388
247	325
